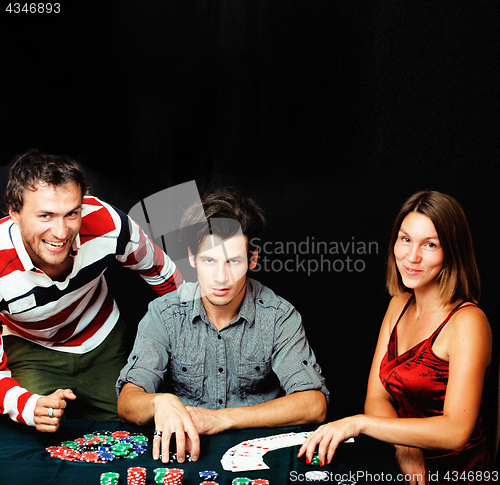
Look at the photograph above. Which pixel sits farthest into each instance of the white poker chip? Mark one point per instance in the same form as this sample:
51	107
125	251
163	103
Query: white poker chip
316	475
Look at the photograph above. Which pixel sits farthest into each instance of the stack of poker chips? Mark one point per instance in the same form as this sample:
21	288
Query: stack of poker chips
159	474
173	476
136	476
209	477
315	459
169	476
109	478
101	447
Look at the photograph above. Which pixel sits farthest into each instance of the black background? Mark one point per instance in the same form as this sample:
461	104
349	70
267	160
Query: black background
329	113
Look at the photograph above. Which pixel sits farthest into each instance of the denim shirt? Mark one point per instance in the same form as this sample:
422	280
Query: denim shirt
261	355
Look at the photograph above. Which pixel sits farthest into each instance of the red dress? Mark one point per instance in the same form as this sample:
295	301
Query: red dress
417	382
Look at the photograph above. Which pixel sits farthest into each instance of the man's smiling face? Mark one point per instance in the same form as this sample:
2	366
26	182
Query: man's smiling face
49	221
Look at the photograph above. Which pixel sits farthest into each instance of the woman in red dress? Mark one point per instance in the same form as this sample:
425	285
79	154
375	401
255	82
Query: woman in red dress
432	356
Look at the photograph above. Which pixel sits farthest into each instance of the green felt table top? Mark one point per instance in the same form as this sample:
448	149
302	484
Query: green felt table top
24	459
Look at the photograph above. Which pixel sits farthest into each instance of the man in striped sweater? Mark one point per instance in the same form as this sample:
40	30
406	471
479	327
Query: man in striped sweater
61	329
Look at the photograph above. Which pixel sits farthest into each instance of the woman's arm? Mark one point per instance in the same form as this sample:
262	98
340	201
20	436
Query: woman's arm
469	350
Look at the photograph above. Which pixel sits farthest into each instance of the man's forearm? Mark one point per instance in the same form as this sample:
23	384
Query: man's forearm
135	405
303	407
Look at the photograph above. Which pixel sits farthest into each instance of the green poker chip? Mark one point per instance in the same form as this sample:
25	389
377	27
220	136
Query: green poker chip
70	444
109	478
241	481
160	474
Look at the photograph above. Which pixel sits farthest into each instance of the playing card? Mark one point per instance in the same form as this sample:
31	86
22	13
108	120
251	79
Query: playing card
248	455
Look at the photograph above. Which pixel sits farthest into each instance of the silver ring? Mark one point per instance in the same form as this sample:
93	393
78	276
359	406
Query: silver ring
157	433
51	412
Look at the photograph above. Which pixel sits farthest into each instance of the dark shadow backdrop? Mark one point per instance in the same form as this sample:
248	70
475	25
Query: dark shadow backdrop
329	113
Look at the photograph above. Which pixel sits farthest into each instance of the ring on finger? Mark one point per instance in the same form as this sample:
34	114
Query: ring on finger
51	412
157	433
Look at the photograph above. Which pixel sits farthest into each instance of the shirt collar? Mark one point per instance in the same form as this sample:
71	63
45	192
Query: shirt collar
247	308
76	245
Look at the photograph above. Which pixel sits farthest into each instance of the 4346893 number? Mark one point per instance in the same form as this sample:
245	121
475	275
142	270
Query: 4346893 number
33	8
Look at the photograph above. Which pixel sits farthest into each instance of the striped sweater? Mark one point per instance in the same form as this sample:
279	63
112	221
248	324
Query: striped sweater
77	314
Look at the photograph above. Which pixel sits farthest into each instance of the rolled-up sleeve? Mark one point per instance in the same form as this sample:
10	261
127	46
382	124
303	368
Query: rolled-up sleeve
294	361
148	362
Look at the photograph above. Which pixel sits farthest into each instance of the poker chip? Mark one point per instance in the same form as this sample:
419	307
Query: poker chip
70	444
173	476
259	481
64	453
315	459
101	447
160	474
136	476
109	478
105	456
208	475
316	475
209	483
241	481
90	457
139	438
172	456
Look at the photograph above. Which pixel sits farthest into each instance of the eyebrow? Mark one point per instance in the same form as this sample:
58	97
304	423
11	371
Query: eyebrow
425	238
41	211
238	257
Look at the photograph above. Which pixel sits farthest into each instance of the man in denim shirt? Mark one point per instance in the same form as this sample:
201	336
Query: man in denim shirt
223	353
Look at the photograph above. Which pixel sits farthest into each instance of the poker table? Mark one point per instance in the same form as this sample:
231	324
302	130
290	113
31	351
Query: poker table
24	460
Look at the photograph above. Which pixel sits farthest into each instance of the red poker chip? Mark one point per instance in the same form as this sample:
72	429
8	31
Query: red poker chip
121	434
93	441
90	457
50	449
64	452
176	470
259	481
136	475
209	483
173	476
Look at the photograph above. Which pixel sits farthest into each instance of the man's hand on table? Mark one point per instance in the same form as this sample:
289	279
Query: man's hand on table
171	416
49	410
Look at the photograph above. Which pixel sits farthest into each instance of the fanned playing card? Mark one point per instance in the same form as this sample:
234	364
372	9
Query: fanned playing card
248	455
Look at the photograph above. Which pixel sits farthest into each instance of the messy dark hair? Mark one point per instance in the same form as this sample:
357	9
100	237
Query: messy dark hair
35	167
222	213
